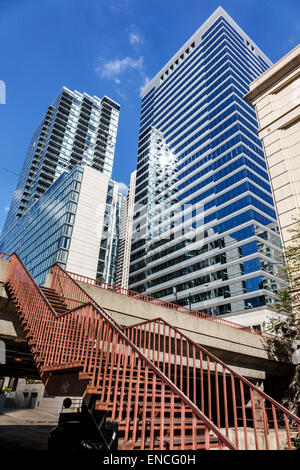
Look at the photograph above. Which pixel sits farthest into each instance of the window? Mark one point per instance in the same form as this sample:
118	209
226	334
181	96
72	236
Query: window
257	327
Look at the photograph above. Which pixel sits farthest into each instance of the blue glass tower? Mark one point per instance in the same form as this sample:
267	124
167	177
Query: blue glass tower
205	232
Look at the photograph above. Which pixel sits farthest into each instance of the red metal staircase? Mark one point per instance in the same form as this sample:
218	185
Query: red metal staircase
238	407
165	391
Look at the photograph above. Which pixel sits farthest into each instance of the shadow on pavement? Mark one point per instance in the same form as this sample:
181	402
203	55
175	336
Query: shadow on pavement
24	438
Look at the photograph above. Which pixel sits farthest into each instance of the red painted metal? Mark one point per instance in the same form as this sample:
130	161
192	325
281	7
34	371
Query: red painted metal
227	398
4	256
164	303
183	361
152	412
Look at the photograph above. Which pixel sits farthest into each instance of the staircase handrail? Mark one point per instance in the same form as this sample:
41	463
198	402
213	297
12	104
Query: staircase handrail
219	361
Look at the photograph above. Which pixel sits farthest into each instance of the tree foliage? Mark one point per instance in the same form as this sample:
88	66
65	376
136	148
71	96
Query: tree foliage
286	324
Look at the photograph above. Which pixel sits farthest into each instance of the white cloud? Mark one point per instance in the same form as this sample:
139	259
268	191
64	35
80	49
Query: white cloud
114	68
120	70
123	188
134	35
6	208
120	5
146	81
121	94
135	38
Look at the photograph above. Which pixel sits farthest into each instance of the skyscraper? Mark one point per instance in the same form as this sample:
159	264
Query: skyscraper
108	254
77	129
126	222
66	225
205	231
66	207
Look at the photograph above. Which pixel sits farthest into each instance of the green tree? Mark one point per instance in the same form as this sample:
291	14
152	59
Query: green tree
286	324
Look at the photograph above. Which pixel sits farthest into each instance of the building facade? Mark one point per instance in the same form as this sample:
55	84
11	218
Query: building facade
205	230
108	255
77	129
126	226
276	97
67	225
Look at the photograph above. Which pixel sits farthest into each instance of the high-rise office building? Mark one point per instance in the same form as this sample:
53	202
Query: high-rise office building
126	225
205	230
108	255
76	129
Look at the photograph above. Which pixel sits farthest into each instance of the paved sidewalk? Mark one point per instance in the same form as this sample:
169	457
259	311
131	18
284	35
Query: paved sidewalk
25	429
20	416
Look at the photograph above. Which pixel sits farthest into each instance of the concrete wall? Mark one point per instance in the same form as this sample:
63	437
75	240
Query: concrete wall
259	316
283	442
31	395
3	272
243	350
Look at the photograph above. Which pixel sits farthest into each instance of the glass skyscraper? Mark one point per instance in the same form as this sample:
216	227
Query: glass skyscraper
77	129
109	247
75	223
205	232
43	235
124	248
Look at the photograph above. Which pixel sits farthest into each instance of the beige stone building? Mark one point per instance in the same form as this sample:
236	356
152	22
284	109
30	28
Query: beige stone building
276	97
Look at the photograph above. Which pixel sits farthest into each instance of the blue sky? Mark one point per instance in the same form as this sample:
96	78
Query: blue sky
107	47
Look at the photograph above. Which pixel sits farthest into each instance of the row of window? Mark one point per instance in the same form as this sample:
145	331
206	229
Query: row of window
230	35
212	91
210	107
234	58
229	224
222	23
50	221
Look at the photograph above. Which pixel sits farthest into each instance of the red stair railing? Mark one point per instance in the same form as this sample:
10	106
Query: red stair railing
232	402
227	398
151	410
4	256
